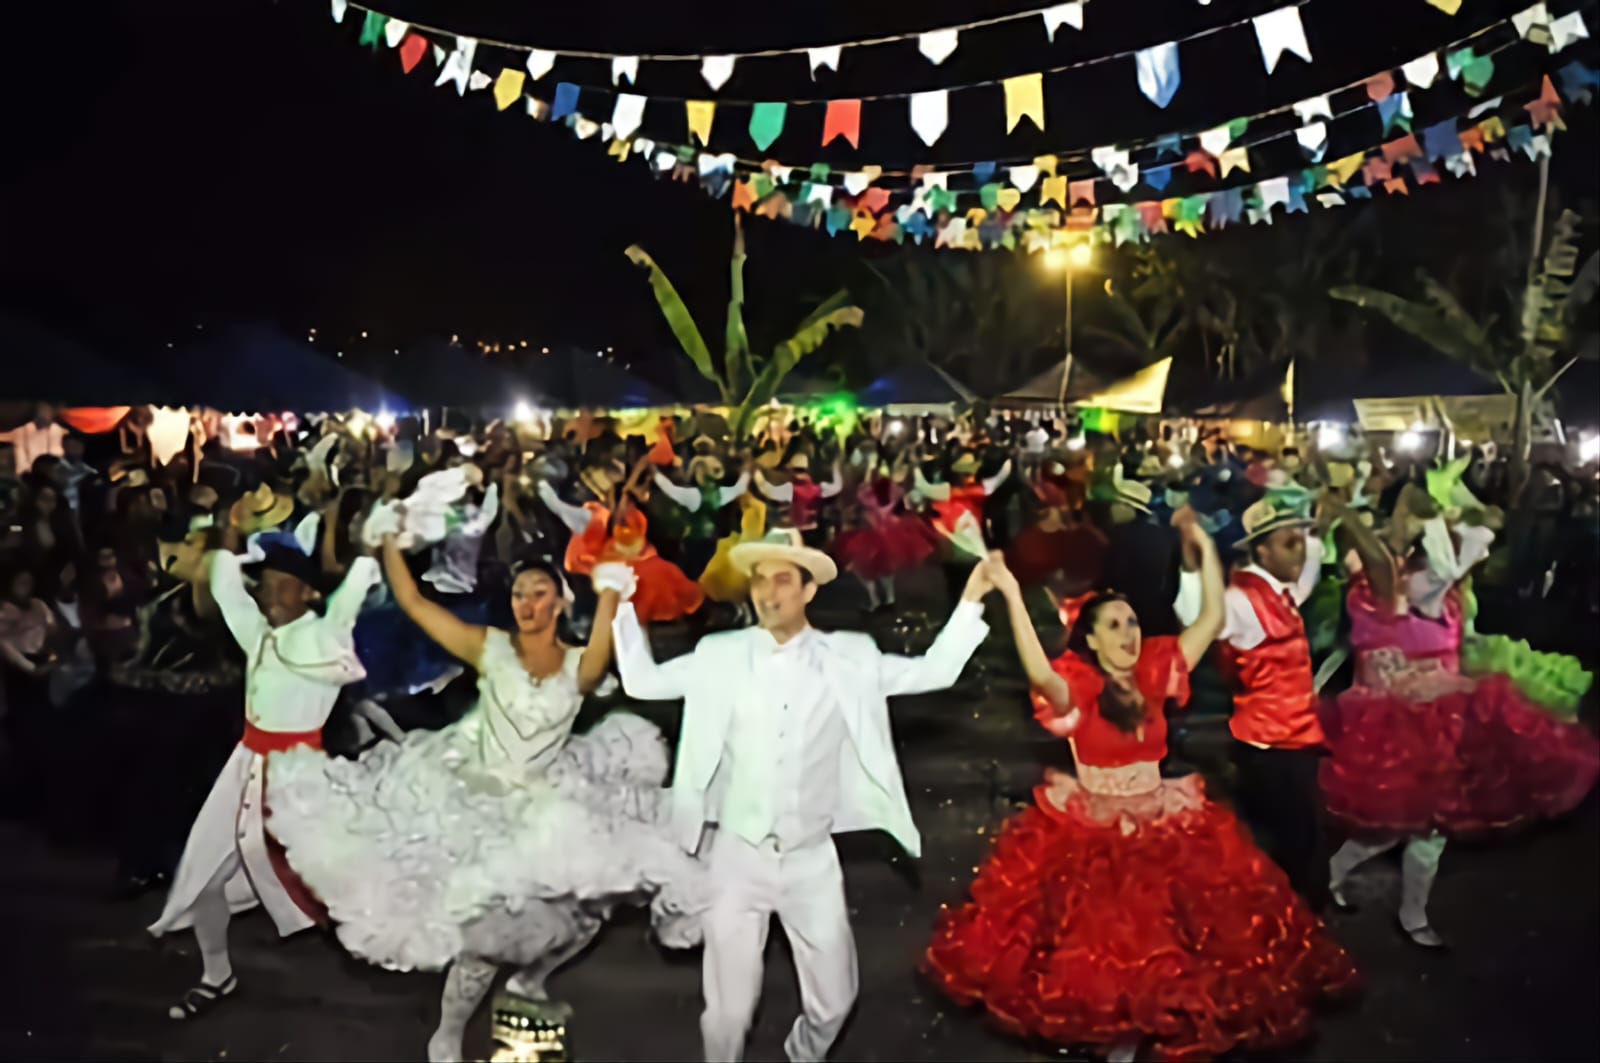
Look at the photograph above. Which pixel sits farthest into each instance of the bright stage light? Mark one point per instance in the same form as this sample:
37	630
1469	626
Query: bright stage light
1075	443
1410	439
384	421
1330	436
896	426
1589	449
522	412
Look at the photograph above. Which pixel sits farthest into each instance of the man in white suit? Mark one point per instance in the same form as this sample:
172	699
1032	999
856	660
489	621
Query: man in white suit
785	742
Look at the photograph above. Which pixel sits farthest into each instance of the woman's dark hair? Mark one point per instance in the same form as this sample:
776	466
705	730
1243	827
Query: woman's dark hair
1123	708
500	609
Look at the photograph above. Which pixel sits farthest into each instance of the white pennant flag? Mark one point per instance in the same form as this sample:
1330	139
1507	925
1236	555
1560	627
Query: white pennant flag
1486	106
665	160
439	55
479	81
1158	72
857	182
781	174
1566	29
1216	141
627	116
624	66
644	146
584	128
1314	139
394	31
723	163
1278	32
537	108
607	132
1422	70
717	69
826	56
1274	191
930	113
1330	199
1125	175
1062	14
339	7
1310	109
1109	158
1461	165
953	233
820	193
457	66
1527	19
936	180
1023	177
938	44
540	62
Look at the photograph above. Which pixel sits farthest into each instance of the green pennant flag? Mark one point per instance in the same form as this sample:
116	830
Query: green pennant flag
766	123
820	172
372	29
763	185
989	196
940	199
1236	129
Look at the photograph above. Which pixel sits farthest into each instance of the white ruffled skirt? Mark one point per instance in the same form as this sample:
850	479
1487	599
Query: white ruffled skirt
420	854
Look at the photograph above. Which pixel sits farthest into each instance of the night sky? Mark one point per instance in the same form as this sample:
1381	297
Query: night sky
188	161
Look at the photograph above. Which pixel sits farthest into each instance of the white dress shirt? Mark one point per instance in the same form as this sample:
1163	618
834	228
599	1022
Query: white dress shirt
1241	628
689	497
780	766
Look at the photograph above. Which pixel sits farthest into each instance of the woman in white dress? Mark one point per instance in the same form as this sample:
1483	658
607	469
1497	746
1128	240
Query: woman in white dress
503	838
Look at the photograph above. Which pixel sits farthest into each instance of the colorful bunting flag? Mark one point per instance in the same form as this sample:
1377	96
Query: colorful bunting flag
508	88
624	66
930	113
843	119
1024	99
458	65
540	63
700	114
412	49
1278	32
1421	71
717	69
565	101
766	123
825	56
1158	72
394	31
938	44
1062	14
628	114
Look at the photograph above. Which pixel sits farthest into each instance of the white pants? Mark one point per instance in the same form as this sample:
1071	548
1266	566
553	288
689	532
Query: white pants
805	889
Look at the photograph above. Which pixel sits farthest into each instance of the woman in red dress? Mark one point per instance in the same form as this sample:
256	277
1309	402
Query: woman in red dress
1124	909
886	539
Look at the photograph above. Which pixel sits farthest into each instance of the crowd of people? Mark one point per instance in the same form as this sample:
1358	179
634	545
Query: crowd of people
339	662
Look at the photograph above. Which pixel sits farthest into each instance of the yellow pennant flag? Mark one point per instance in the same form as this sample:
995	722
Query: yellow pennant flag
700	113
508	87
1046	164
1053	189
1346	168
1024	99
1449	7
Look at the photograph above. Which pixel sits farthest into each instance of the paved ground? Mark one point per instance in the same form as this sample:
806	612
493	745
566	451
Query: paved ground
83	981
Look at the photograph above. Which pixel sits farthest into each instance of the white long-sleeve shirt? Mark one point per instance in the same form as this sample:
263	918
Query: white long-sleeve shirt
784	493
1241	628
690	497
576	518
941	492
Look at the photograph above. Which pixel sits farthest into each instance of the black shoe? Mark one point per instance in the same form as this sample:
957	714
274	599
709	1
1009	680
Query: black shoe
1424	936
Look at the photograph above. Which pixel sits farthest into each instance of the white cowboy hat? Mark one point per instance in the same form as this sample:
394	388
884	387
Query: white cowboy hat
784	544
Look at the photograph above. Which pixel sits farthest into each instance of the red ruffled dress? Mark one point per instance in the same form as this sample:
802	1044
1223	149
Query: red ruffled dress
1416	747
663	593
1123	907
887	540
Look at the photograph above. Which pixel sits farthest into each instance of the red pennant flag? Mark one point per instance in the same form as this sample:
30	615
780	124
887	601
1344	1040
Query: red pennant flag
1546	110
1154	220
1201	162
1472	139
873	199
1402	150
1080	192
1376	170
412	49
842	120
1380	87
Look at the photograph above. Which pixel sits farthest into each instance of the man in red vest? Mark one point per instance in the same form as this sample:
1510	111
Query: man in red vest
1277	737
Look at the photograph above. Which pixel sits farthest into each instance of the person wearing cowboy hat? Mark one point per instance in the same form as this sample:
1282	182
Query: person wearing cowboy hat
786	741
702	499
261	510
799	501
296	662
1278	741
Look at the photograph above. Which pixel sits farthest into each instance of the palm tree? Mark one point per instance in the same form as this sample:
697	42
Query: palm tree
745	380
1528	352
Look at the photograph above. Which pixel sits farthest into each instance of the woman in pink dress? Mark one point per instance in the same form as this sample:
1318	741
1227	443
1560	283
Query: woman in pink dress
1419	752
886	539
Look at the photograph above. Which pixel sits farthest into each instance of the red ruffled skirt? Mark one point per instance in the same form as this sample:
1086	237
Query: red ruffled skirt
1466	763
1109	920
875	551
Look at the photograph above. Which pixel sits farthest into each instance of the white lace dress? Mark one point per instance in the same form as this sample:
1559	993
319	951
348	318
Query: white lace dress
424	849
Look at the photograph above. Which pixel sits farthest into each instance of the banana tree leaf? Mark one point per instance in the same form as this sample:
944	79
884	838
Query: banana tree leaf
813	332
1420	320
1450	309
839	300
736	342
678	317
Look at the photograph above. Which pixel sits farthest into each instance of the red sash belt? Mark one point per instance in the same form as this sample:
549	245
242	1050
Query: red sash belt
263	742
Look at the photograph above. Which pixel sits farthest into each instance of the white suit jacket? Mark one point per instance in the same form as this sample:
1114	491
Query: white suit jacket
723	668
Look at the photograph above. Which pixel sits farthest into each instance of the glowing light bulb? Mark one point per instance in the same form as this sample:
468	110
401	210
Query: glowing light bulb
1330	436
384	420
1589	449
1075	443
1079	255
522	411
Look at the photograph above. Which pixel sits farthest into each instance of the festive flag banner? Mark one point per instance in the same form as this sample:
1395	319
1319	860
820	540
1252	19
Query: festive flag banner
628	114
1024	99
766	123
1158	72
540	63
826	56
843	119
394	31
412	49
930	113
457	66
1062	15
716	69
1278	32
939	44
508	89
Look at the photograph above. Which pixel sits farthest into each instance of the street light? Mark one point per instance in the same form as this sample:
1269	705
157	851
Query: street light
1067	259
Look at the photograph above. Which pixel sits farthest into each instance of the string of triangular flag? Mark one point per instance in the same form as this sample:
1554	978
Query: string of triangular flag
1156	68
1207	150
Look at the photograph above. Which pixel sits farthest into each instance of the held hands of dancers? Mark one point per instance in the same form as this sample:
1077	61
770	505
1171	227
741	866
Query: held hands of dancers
615	577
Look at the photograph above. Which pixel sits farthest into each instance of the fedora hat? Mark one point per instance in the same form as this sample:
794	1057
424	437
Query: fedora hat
1130	492
784	544
1269	514
708	463
261	509
799	462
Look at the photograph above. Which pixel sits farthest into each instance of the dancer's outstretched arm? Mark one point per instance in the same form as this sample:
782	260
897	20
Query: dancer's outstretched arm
1199	635
461	640
1035	662
611	581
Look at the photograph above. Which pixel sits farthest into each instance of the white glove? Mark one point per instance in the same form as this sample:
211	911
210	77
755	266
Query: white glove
615	576
385	519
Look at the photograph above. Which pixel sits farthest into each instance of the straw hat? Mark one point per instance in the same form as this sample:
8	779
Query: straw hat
1270	514
1130	493
784	544
260	509
799	463
709	464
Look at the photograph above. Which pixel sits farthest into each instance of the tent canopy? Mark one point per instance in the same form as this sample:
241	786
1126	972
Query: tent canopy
922	384
436	373
1140	392
251	368
42	365
569	378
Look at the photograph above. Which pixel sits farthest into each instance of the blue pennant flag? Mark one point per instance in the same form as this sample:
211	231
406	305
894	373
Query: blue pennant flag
565	102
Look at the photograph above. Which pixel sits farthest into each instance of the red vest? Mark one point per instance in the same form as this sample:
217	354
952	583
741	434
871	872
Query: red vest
803	510
1274	701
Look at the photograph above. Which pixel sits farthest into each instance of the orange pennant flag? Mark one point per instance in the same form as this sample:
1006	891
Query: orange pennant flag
1396	186
842	120
744	195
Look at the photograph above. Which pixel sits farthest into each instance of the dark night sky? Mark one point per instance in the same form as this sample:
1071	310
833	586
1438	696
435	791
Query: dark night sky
216	160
